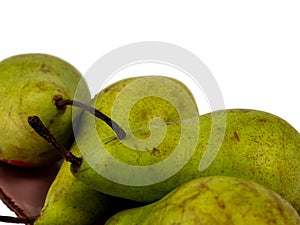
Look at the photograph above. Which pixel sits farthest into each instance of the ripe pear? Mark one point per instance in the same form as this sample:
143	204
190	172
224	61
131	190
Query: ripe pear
69	201
214	200
257	145
30	84
156	157
134	102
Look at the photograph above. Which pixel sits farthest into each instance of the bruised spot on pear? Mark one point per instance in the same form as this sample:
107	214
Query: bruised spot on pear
46	68
236	136
155	151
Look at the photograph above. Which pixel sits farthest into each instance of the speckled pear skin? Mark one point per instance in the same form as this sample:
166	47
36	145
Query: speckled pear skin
254	145
29	83
216	200
158	104
257	145
139	117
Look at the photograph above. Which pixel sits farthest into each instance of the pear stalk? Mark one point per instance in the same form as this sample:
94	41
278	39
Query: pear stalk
62	103
41	129
24	220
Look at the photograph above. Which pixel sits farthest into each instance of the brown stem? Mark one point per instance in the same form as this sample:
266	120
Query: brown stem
61	103
41	129
25	220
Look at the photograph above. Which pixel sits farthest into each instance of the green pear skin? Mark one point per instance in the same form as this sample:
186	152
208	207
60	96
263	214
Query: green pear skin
254	145
29	85
215	200
69	201
145	97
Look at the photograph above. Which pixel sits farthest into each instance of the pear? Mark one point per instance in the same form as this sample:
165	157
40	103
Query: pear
254	145
214	200
136	102
30	84
69	201
257	145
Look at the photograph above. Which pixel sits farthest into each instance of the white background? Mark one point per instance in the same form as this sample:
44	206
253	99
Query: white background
251	47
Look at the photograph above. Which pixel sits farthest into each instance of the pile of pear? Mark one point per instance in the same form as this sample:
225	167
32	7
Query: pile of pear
233	166
30	85
251	144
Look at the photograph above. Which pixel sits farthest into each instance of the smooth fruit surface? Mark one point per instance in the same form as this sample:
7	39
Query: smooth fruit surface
258	146
69	201
157	155
215	201
29	85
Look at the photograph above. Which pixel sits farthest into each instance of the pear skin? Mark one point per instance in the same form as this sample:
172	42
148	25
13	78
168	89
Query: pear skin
69	201
213	200
129	103
258	146
134	102
29	85
245	143
255	145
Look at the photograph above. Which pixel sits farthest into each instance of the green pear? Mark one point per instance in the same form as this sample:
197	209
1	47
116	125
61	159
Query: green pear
69	201
157	156
257	146
30	84
134	102
216	200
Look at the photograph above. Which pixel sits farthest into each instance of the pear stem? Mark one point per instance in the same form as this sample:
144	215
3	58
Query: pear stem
61	103
41	129
25	220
